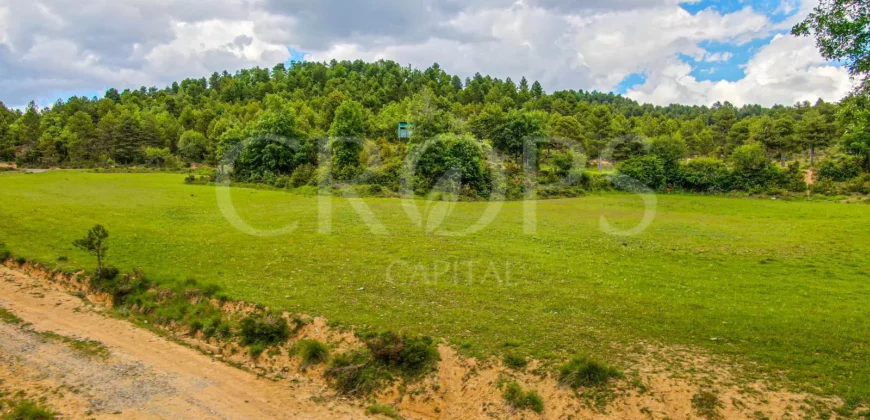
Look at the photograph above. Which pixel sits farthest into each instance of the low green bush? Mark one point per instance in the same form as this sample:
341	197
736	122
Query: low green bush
312	352
515	361
647	170
355	373
411	355
521	400
268	329
840	168
705	175
582	371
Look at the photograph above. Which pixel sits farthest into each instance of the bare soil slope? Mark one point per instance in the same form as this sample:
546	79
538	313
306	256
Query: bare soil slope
145	376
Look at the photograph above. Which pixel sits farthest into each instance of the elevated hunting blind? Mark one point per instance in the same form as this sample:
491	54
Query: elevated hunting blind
405	130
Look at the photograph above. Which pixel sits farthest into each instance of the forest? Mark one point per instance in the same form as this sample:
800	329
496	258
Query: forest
307	123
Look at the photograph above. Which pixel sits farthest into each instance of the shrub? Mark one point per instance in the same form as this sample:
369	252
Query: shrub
563	162
648	170
312	352
301	175
355	373
127	285
266	329
705	175
826	187
840	168
670	150
515	361
216	327
582	371
520	400
4	254
29	410
752	170
257	350
451	159
411	355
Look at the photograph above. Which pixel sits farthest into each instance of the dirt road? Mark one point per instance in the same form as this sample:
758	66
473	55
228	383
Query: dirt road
144	376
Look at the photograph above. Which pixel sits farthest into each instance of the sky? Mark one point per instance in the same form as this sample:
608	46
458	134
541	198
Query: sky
655	51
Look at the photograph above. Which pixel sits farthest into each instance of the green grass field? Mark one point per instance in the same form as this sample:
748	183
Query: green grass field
784	284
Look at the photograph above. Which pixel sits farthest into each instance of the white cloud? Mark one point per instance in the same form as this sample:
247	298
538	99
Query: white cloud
65	45
787	70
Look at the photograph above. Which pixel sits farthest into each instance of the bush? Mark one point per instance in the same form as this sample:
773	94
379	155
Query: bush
410	355
302	175
752	170
312	352
266	329
216	327
826	187
582	371
562	162
705	175
4	254
107	273
451	159
648	170
840	168
355	373
520	400
515	361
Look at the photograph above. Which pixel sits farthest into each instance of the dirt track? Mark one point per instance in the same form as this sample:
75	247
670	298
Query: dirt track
145	376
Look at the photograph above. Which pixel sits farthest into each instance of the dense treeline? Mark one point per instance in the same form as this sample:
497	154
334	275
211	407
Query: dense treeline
349	111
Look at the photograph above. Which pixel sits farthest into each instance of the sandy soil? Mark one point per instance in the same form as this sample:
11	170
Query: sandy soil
146	376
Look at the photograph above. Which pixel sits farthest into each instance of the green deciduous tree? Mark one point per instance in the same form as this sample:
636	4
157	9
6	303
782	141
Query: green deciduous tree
842	31
347	132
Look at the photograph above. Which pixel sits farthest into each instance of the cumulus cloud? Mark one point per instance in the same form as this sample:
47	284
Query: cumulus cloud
786	71
49	46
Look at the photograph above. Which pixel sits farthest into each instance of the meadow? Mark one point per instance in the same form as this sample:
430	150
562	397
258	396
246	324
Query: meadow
781	284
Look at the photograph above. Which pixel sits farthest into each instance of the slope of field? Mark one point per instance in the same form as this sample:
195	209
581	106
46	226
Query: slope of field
781	284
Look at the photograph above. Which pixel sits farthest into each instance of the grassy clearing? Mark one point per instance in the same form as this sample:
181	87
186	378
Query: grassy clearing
783	284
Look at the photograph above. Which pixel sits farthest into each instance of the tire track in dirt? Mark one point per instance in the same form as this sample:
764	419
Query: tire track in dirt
146	376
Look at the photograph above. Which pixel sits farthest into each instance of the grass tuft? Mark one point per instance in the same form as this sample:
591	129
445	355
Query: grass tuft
267	329
8	317
28	410
312	352
582	371
522	400
515	361
384	410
